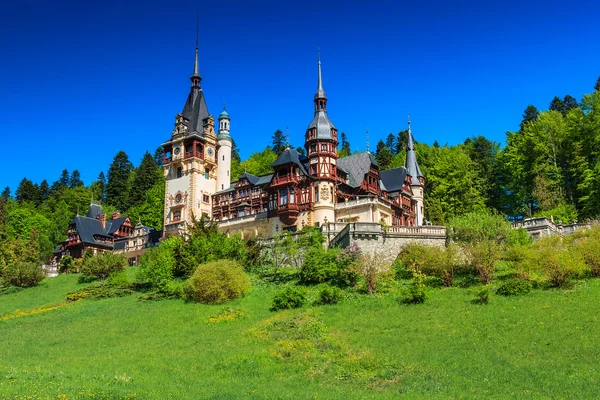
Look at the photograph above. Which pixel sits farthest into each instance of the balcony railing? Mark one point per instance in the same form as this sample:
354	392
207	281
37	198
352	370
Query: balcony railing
190	154
280	180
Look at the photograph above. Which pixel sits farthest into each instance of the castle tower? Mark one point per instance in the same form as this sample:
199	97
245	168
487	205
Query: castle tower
224	145
418	182
321	148
190	163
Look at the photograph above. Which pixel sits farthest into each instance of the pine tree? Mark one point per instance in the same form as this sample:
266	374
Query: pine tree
146	175
3	219
27	191
235	151
557	105
34	251
44	190
402	141
383	156
597	85
436	145
6	193
62	183
529	115
301	150
391	143
75	180
345	144
159	155
570	103
118	178
278	142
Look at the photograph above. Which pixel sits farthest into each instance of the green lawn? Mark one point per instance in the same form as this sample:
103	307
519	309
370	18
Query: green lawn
541	345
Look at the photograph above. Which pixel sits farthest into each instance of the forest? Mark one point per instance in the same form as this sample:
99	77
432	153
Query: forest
549	167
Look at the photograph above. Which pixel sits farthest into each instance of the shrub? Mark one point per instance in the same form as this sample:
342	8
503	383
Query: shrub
157	265
478	226
99	292
104	265
514	287
290	297
482	257
23	274
329	295
331	265
551	257
431	260
483	295
217	282
416	293
588	245
66	265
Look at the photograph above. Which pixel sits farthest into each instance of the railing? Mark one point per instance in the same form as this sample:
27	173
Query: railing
425	230
359	202
289	207
279	180
194	154
242	219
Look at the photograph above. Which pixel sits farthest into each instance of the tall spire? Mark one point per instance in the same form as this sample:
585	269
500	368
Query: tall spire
320	94
411	165
368	150
195	78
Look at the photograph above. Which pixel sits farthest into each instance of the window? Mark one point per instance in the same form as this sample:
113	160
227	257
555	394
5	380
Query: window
283	197
316	194
179	172
206	173
176	215
223	157
323	147
292	196
222	186
205	198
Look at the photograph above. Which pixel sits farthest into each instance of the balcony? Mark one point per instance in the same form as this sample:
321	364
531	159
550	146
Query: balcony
197	154
284	179
288	213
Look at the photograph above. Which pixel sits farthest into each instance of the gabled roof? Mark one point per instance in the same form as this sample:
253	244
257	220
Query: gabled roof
289	156
357	166
113	225
251	178
393	179
87	228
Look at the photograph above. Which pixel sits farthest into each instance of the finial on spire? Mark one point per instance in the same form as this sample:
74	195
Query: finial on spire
408	122
287	136
320	92
368	151
196	74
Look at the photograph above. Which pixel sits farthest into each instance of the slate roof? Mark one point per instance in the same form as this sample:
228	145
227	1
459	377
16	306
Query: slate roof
411	164
90	227
94	211
113	225
195	110
290	155
356	166
323	124
393	179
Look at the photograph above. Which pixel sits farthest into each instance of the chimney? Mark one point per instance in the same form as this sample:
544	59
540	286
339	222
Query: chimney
102	219
116	215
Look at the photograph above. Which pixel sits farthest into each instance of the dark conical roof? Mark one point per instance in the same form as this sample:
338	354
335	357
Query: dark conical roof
195	110
94	211
412	166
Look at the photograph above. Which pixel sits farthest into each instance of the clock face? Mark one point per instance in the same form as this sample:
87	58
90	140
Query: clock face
211	152
178	198
176	150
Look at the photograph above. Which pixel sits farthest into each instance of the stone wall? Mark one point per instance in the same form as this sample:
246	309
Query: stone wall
387	243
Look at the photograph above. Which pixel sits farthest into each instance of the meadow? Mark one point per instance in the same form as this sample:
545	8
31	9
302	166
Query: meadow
540	345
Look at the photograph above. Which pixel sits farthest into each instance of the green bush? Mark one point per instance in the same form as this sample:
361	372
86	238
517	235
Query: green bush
479	226
290	297
100	292
66	265
514	287
431	260
482	258
329	295
104	265
23	274
157	265
330	265
482	295
556	261
217	282
416	293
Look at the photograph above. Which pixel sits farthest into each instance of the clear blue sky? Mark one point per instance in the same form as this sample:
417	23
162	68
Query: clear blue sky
82	80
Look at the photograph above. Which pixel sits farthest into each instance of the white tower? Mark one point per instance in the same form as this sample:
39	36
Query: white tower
224	145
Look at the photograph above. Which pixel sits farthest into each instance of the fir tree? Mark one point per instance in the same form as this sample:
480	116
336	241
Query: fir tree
402	141
3	219
159	155
345	144
28	191
118	179
75	180
146	176
529	115
6	193
235	151
383	156
62	183
597	85
278	142
391	143
301	150
44	190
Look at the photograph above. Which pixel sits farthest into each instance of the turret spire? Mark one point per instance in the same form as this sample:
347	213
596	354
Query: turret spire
195	78
320	94
412	166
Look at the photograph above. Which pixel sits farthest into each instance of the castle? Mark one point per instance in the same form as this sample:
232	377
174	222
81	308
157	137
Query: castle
315	189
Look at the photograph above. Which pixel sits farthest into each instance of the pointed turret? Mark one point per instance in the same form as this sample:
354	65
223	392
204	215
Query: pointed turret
196	78
320	94
324	127
195	109
412	166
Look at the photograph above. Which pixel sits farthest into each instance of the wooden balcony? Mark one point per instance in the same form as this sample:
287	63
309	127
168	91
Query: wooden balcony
191	154
284	180
288	213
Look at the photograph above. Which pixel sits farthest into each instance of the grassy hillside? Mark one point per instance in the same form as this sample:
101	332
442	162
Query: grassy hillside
543	344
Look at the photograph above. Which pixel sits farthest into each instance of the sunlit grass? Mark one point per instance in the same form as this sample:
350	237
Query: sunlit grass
543	344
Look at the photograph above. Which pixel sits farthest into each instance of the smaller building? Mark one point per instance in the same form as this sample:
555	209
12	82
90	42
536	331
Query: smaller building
93	231
542	226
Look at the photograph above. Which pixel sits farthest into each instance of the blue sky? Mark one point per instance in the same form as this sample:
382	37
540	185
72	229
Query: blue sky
82	81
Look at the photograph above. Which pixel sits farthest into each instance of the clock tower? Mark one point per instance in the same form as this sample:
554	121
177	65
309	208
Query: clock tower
190	161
